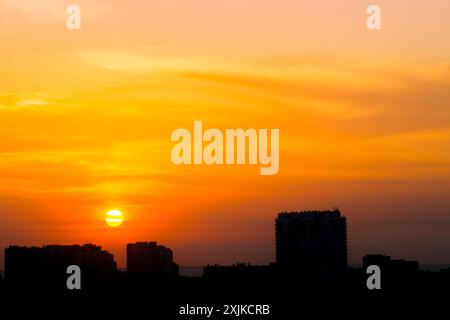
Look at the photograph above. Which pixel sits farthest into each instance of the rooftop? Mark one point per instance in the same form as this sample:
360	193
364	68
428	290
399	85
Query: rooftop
310	213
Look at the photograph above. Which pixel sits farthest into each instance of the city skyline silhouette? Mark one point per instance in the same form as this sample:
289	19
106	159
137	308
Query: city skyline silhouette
311	267
308	244
354	262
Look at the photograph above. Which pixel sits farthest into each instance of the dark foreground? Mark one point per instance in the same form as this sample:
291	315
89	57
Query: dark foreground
279	296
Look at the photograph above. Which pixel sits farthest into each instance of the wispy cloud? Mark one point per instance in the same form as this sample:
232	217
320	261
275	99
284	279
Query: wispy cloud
11	101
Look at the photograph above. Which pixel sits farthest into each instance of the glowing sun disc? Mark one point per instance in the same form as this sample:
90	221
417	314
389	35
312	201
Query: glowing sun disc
114	218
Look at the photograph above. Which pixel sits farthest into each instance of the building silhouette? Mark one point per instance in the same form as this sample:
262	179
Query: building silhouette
239	271
49	264
312	242
398	273
311	254
148	259
390	266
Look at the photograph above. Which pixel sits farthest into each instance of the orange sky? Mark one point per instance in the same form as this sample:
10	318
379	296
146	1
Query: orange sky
86	118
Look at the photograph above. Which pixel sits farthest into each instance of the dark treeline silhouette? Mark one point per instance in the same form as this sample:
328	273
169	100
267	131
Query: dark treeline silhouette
311	262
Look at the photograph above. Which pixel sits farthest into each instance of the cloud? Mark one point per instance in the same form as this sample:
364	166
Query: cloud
13	101
135	62
390	101
31	102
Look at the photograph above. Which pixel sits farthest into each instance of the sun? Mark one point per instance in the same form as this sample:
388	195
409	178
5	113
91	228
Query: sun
114	218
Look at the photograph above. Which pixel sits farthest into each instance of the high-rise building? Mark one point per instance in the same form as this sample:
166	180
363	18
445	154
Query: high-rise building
151	260
312	242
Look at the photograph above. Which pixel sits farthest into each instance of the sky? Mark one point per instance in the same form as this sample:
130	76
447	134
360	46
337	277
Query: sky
86	118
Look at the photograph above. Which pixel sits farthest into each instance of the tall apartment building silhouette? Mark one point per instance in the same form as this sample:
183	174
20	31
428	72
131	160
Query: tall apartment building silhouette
151	260
312	242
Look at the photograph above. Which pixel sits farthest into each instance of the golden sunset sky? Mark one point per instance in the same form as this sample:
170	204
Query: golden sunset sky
86	118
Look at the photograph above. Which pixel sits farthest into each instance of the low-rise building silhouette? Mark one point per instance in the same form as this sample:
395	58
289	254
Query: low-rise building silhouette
389	265
238	271
312	242
398	273
49	264
149	259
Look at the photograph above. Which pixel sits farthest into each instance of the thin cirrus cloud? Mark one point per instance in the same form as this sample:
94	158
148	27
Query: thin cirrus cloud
11	101
391	97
